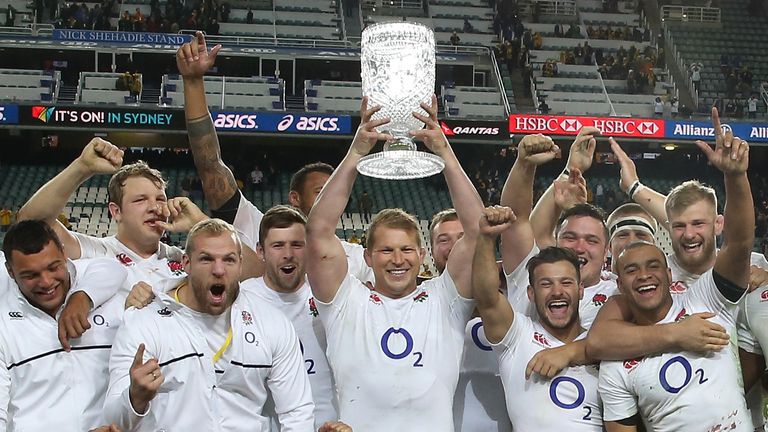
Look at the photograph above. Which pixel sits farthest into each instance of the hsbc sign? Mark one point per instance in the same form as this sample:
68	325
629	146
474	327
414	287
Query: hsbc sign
571	125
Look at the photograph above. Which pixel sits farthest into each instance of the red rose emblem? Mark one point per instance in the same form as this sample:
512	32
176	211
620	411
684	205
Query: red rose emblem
313	307
764	295
681	316
599	299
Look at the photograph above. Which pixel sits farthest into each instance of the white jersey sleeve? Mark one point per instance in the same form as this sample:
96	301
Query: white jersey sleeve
288	381
507	347
99	278
356	262
247	222
91	247
5	388
461	308
706	291
618	401
117	405
517	286
331	313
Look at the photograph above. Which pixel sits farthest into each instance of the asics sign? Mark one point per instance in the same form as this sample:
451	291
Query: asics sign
571	125
280	122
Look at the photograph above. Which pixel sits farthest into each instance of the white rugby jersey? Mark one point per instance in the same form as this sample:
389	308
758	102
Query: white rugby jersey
594	297
264	355
682	391
300	309
248	220
479	402
396	361
154	270
42	387
567	402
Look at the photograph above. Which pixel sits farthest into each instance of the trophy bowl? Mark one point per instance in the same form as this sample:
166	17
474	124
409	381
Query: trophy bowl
398	73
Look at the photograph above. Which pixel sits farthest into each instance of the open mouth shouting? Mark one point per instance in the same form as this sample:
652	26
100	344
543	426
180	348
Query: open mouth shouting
583	261
217	292
288	269
558	308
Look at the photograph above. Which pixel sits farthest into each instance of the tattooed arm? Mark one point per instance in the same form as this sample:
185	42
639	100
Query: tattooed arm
193	59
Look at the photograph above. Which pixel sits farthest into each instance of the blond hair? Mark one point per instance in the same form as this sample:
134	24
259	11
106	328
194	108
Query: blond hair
394	218
687	194
212	228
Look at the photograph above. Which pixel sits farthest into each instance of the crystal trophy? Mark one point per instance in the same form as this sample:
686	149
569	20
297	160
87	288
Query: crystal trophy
398	72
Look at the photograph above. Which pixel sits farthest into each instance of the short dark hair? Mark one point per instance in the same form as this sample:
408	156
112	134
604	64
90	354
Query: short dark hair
280	216
440	217
636	245
584	210
552	255
29	237
300	177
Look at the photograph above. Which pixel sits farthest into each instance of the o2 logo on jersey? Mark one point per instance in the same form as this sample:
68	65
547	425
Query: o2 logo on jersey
307	361
686	365
407	350
476	337
569	384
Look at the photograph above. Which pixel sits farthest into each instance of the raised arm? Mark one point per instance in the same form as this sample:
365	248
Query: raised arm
494	308
731	157
517	194
326	260
547	210
464	197
98	157
193	60
649	199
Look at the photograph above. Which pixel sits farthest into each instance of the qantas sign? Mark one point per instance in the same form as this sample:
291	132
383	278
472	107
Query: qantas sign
476	130
571	125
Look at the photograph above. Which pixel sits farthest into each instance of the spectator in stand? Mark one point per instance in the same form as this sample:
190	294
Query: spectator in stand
213	27
138	21
558	31
125	23
752	106
658	107
731	84
573	31
543	108
537	40
10	16
467	27
696	75
249	17
365	206
5	218
455	39
673	107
